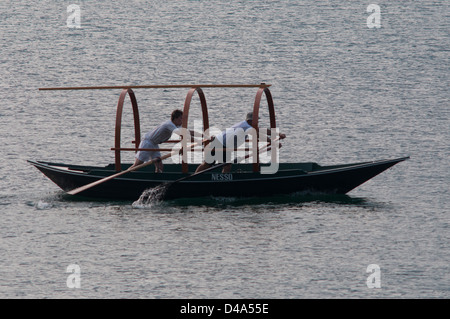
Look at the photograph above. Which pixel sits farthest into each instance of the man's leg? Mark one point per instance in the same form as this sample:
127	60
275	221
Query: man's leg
226	158
158	166
210	152
226	168
202	167
137	162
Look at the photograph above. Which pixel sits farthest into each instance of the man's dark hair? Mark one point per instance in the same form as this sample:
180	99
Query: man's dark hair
176	114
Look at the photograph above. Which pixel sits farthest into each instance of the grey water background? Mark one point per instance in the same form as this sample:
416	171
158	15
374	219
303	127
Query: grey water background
343	93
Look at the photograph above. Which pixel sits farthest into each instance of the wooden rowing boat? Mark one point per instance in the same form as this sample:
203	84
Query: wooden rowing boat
117	181
242	181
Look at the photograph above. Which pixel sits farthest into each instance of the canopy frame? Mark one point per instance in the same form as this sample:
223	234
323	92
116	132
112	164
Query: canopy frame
128	90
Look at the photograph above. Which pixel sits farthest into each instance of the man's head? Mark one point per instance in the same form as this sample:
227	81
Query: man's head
177	117
249	117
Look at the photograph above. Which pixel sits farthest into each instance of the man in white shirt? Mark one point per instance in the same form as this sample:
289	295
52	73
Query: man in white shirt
157	136
227	140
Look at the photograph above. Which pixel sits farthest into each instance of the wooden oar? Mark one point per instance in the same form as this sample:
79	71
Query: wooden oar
131	169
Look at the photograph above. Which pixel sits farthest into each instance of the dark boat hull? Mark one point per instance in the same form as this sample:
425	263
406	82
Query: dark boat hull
290	178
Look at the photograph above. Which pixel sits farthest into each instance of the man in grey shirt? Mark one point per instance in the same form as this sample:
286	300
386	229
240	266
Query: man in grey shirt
227	140
159	135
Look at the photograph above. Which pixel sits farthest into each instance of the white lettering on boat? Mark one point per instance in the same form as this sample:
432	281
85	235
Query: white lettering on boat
221	177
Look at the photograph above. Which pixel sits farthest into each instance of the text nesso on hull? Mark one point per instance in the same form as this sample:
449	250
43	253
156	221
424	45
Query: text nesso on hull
119	181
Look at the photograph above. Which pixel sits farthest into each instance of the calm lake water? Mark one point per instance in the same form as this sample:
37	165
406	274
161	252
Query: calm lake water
343	93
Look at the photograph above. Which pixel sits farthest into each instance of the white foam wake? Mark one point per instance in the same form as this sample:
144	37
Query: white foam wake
150	197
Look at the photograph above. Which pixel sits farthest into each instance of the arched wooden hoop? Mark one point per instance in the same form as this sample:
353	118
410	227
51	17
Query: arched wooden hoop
137	129
273	124
187	104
